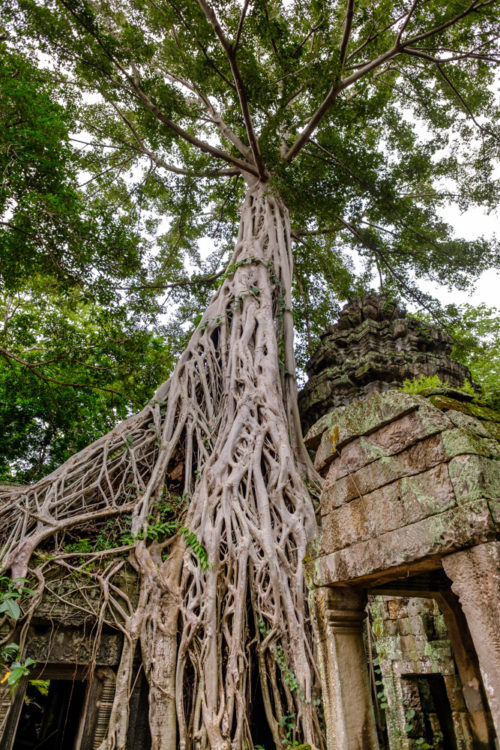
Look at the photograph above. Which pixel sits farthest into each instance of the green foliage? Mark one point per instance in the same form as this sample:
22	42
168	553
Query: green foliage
163	524
197	547
74	355
11	590
103	261
423	383
476	343
379	685
41	685
421	742
16	669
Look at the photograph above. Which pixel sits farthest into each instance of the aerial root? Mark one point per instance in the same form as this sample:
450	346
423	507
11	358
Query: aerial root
224	433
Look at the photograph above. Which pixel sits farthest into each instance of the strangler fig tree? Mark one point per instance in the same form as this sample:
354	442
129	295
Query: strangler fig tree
339	127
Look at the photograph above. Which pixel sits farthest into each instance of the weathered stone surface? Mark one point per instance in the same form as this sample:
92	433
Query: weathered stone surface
404	635
373	348
474	476
339	617
493	429
446	402
390	439
390	507
362	418
72	646
475	576
460	527
415	460
468	422
460	441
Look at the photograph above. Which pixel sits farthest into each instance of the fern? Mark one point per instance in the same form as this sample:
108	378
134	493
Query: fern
197	547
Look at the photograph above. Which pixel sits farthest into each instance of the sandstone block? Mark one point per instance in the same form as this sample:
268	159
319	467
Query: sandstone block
474	476
390	507
494	506
468	422
395	608
346	423
454	529
391	439
415	460
459	441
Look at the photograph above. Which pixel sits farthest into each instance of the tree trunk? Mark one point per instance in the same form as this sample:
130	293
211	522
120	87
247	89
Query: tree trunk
230	411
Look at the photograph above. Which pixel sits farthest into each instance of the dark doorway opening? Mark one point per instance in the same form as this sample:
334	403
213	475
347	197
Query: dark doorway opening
432	720
52	720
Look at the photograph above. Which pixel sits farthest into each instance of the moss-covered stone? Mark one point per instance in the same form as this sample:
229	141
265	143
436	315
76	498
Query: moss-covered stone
359	418
474	477
460	441
446	402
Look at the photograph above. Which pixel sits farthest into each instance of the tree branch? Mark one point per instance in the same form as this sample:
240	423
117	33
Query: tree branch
201	145
437	63
161	163
346	35
406	21
240	87
240	25
223	127
33	369
397	49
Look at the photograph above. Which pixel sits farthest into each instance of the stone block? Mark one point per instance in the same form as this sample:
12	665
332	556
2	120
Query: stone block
345	526
404	626
415	460
468	422
391	627
493	429
455	529
408	645
459	441
395	608
390	507
416	625
473	477
346	423
494	506
447	403
389	440
426	494
454	692
72	646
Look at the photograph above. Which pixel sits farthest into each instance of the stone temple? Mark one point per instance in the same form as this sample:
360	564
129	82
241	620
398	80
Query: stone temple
405	573
407	568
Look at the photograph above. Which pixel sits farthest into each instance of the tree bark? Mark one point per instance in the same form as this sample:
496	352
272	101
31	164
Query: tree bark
230	411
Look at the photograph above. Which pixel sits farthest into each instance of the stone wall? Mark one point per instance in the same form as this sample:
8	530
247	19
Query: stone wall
407	479
411	642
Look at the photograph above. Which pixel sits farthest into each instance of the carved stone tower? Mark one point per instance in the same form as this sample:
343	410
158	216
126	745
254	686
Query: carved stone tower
406	566
374	346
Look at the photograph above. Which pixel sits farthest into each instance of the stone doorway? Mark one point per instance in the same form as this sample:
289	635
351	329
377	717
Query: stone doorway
51	715
416	683
70	712
428	712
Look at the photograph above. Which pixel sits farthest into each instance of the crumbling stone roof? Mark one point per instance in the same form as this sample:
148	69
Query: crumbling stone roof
374	347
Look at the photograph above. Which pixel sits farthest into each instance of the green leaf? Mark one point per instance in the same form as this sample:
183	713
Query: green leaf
11	608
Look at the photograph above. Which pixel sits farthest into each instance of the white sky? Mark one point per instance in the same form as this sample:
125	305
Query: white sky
470	225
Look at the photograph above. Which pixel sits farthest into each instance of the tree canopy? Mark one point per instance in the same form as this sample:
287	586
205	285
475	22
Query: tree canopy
367	118
336	130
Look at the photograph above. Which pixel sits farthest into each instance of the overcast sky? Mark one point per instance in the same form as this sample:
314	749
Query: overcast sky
470	225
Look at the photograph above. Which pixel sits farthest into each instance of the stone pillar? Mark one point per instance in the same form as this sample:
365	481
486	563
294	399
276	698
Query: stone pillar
465	656
339	616
475	576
